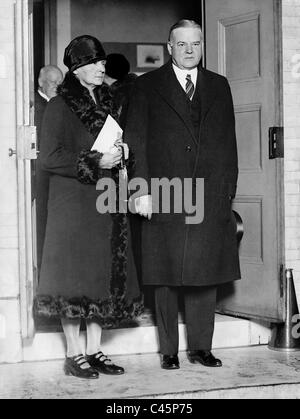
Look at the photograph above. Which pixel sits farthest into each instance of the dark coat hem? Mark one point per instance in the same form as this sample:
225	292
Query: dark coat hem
110	313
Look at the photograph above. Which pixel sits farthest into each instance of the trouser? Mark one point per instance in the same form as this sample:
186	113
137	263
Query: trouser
200	305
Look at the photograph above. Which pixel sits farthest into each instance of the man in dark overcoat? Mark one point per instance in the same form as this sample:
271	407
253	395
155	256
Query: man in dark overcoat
50	77
181	125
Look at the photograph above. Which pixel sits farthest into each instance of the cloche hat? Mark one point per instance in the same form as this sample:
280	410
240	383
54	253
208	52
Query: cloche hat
83	50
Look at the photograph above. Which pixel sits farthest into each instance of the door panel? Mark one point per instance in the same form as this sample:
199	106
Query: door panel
241	45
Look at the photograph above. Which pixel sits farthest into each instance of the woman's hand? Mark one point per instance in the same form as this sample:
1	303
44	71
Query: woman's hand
119	142
122	146
111	159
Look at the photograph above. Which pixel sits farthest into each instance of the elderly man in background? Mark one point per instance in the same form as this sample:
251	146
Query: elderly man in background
49	78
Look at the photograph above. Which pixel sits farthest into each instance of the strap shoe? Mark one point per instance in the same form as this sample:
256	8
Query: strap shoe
77	366
104	365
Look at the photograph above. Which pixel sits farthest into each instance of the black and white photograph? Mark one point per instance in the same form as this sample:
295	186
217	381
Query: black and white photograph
150	202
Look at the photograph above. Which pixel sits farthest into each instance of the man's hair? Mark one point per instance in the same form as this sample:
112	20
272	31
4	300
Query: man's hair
184	23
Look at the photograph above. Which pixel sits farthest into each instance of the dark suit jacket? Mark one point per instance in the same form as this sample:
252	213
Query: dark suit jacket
161	134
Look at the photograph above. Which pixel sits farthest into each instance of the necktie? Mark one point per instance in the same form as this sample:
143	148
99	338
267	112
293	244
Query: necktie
189	87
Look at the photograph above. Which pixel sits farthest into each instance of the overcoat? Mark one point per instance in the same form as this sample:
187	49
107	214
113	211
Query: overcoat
161	132
87	267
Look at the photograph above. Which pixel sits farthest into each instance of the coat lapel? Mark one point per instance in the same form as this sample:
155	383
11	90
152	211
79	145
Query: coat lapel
169	88
206	90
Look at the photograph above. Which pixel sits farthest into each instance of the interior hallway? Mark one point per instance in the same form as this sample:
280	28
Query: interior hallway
254	372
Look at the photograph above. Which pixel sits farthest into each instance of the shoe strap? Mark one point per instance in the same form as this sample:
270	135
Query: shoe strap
101	357
80	360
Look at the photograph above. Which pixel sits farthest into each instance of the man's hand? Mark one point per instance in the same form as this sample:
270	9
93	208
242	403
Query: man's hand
143	206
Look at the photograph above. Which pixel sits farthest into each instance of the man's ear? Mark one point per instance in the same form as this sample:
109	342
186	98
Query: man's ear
169	46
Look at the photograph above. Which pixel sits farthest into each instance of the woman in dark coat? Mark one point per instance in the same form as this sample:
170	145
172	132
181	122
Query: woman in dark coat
85	260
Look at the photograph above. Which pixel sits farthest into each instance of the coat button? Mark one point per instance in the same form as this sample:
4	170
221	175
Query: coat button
188	148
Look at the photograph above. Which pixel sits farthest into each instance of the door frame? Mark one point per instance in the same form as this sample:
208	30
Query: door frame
279	120
24	119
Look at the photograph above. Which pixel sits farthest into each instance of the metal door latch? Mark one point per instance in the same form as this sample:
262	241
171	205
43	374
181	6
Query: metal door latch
27	142
11	152
276	145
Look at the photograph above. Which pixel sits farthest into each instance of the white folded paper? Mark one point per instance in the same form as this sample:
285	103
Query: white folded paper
109	134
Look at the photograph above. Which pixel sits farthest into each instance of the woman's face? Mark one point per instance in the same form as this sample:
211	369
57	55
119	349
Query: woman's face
91	74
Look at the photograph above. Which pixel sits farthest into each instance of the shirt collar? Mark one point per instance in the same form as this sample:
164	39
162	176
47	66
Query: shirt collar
181	74
178	70
43	95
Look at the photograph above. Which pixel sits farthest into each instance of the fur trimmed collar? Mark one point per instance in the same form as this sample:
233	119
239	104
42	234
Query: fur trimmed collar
79	100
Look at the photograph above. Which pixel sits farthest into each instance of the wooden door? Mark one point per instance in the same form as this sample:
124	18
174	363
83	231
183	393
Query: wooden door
26	152
242	43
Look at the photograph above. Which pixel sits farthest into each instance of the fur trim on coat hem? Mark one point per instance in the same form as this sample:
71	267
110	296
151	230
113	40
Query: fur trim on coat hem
111	313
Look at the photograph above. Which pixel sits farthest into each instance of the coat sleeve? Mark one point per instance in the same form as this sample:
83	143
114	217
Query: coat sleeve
136	132
54	156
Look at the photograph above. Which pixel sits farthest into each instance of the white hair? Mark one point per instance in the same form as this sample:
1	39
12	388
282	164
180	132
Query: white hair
47	70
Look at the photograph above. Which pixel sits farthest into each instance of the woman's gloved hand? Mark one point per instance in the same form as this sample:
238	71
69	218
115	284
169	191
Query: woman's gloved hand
111	159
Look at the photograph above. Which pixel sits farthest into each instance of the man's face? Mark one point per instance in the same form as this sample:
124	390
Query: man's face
51	81
185	47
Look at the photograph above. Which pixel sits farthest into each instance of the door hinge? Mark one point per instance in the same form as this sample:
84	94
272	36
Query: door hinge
27	142
276	142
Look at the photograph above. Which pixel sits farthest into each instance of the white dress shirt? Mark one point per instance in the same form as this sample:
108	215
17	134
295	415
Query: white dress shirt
43	95
181	75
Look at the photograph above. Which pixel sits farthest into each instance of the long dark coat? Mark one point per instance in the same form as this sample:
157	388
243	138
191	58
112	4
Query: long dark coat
162	135
87	268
